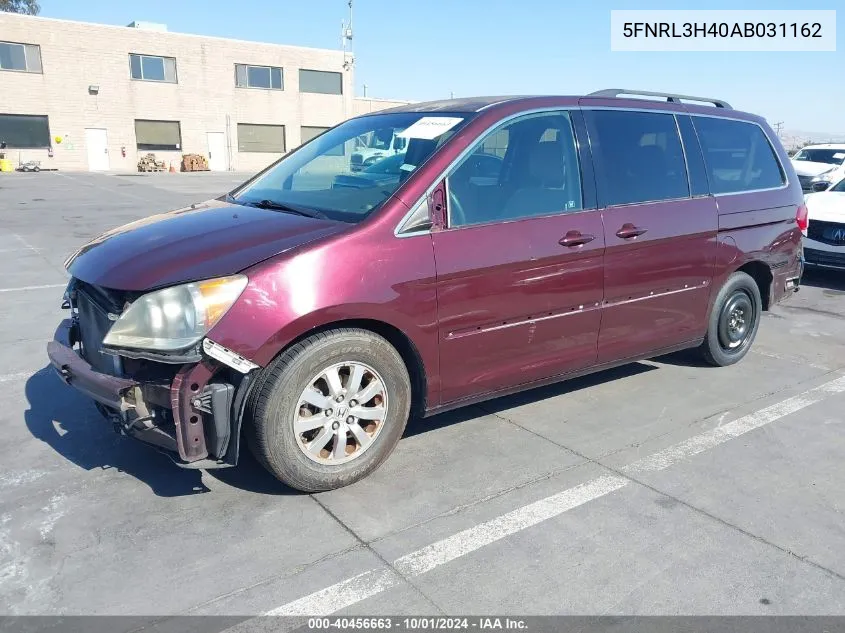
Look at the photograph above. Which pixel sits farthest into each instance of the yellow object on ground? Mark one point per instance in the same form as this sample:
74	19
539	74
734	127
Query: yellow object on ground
6	165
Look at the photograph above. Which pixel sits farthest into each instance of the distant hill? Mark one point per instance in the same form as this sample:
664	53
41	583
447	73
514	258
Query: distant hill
797	138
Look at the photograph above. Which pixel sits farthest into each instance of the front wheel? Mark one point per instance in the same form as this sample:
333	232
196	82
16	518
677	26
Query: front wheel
733	321
329	410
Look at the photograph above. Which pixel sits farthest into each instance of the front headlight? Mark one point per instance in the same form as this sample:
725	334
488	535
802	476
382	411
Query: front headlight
824	176
177	317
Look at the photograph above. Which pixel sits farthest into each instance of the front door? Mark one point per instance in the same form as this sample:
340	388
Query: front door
97	143
660	230
217	151
519	266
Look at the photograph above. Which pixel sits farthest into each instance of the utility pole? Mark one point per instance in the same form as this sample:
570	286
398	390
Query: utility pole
365	90
779	128
348	56
346	40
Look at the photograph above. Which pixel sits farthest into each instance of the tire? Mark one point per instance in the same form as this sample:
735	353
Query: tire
276	404
727	342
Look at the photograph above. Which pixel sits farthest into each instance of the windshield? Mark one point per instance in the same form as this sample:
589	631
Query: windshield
339	174
829	156
839	187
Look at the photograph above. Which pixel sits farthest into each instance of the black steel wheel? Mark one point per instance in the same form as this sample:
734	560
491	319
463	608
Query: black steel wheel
733	322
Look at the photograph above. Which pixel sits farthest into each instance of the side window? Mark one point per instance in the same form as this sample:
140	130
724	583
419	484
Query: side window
638	155
738	156
525	168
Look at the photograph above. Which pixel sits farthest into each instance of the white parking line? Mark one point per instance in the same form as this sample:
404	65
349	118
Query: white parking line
23	241
374	581
790	359
21	288
341	595
474	538
714	437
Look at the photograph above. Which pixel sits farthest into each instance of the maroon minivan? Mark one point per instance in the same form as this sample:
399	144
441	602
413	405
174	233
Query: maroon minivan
493	245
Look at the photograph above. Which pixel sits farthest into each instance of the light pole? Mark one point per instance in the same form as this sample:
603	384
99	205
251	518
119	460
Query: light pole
348	59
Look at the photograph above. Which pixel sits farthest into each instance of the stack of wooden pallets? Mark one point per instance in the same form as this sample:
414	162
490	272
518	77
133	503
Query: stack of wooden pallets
194	162
148	162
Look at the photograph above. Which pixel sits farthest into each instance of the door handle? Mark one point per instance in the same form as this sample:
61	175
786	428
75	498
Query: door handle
575	238
629	231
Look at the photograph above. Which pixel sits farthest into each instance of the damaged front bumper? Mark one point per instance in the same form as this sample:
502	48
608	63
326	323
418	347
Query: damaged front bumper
194	416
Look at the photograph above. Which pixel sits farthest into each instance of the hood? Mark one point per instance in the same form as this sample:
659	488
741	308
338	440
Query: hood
203	241
827	206
810	168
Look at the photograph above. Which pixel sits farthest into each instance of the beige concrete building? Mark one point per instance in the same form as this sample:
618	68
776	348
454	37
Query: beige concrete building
79	96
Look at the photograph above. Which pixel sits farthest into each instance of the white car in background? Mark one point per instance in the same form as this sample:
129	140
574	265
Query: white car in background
374	146
819	164
824	242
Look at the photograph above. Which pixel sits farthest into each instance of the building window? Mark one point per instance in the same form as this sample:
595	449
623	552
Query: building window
24	131
24	58
267	77
158	135
310	131
320	81
261	138
152	68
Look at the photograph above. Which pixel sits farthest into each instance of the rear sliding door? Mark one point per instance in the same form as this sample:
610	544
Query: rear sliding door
660	227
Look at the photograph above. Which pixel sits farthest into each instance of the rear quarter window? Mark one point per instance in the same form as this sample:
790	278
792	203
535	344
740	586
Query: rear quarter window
738	156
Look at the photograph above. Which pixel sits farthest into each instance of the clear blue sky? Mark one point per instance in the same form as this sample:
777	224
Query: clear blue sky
425	49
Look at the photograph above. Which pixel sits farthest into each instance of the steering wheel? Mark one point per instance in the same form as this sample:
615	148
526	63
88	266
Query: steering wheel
456	211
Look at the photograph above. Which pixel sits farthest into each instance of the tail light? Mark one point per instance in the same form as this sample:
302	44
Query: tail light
802	218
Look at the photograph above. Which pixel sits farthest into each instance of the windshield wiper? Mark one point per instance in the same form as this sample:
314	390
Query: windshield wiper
287	208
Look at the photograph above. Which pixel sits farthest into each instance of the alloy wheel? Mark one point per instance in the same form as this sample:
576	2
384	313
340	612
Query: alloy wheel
340	413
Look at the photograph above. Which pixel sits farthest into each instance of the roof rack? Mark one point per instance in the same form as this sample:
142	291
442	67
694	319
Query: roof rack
671	98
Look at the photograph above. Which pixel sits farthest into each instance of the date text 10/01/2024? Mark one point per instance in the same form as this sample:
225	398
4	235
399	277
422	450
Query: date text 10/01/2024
416	623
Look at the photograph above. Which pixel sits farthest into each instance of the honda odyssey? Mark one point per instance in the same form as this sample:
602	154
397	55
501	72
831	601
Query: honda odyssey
517	241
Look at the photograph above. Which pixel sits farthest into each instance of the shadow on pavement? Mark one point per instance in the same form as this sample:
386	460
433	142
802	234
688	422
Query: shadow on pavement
71	425
251	476
830	280
419	426
684	358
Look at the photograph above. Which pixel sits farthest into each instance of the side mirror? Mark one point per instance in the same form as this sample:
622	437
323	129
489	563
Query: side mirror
820	186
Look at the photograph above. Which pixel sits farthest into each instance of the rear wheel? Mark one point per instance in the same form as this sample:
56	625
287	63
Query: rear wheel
329	410
733	322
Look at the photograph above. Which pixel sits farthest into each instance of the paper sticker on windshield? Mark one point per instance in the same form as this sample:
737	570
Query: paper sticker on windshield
839	155
407	167
430	127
